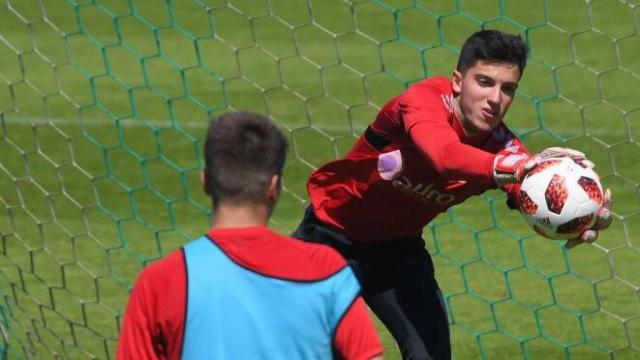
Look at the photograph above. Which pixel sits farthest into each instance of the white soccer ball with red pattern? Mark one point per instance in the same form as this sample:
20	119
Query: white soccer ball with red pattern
560	198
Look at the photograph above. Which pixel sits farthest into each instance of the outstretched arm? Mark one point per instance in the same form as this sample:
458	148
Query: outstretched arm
426	120
427	123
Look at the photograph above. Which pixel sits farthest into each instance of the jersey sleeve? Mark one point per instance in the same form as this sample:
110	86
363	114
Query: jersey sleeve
356	337
425	120
138	336
153	325
515	146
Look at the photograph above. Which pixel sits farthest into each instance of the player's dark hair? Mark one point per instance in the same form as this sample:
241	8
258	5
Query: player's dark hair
493	46
242	152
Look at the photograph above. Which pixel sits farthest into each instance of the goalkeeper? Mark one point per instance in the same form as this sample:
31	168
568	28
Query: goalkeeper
433	146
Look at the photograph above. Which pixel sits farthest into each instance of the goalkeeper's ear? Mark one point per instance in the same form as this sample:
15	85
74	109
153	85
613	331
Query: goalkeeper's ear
456	81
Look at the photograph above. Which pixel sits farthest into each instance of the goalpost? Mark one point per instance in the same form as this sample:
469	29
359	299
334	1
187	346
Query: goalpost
104	104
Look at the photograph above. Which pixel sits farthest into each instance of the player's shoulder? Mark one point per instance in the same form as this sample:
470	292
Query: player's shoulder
435	85
165	269
434	91
313	261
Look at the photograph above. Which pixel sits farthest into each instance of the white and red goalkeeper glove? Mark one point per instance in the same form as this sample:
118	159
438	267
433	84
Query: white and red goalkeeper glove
512	168
603	220
559	152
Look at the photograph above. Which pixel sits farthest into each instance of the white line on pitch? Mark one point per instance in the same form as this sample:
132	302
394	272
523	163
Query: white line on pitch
139	123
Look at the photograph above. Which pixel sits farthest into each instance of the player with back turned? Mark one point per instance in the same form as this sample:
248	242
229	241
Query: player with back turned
433	146
242	291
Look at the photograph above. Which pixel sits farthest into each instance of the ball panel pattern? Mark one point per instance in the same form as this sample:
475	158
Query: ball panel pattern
591	188
575	226
559	198
527	206
556	194
544	165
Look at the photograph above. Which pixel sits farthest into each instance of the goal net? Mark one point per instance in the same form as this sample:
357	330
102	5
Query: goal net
104	104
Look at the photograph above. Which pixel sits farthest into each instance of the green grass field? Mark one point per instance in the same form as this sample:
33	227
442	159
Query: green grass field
104	103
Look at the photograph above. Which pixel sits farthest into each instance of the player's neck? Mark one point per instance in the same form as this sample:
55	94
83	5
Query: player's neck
239	216
455	102
457	112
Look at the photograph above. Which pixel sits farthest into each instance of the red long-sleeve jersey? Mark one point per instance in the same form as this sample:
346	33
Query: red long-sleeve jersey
413	162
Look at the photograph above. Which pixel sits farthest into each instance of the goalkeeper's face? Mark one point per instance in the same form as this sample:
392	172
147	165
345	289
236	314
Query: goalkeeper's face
483	95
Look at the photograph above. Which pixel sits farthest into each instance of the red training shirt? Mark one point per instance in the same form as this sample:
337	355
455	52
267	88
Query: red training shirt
418	163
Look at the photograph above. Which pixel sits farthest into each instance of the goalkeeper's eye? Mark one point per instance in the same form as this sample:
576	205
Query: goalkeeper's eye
485	81
509	89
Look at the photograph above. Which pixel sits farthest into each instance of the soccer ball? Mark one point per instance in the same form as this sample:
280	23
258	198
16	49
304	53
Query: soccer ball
560	198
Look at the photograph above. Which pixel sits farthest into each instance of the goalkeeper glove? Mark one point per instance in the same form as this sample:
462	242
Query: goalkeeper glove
511	168
559	152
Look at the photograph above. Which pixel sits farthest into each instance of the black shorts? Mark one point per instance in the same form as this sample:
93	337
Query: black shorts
398	284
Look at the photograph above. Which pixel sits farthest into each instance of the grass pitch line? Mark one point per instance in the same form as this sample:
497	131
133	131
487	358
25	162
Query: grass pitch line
197	125
140	123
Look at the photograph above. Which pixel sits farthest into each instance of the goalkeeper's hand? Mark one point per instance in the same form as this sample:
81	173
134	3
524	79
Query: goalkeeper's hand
603	220
512	168
559	152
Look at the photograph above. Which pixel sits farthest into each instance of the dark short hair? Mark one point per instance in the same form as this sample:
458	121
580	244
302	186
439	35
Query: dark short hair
242	152
493	46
